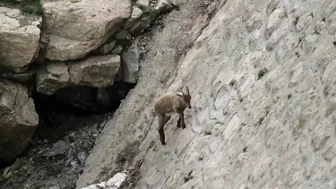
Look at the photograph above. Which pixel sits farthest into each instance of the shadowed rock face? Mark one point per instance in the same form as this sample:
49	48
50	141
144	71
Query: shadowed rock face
18	120
82	100
262	80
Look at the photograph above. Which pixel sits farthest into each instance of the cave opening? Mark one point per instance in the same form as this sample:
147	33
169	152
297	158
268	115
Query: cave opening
80	102
71	109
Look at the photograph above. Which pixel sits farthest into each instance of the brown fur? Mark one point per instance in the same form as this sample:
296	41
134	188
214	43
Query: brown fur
168	104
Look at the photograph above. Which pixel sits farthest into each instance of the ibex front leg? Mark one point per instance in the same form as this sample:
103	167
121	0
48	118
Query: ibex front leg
167	118
161	123
180	121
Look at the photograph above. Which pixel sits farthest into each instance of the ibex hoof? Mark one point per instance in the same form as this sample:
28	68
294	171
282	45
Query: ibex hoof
183	126
163	143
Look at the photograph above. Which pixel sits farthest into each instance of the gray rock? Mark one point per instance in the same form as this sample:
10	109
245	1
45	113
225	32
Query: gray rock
124	38
19	41
51	77
81	156
117	49
71	152
97	71
138	26
136	13
143	3
68	161
123	35
105	49
73	30
143	22
113	183
58	148
130	63
18	119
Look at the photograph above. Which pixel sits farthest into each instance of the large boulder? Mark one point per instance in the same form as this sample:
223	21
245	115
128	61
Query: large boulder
73	29
18	119
96	71
19	41
51	77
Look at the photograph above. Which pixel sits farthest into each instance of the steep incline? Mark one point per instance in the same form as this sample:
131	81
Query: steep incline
262	76
167	44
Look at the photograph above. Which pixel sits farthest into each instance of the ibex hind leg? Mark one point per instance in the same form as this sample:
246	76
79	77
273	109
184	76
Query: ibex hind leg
161	122
179	122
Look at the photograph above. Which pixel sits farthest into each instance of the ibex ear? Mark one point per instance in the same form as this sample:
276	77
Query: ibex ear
187	90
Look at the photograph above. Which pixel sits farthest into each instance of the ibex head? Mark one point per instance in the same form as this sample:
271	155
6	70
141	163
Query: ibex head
186	98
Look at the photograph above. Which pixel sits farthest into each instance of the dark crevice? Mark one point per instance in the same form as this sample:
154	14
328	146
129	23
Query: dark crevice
79	101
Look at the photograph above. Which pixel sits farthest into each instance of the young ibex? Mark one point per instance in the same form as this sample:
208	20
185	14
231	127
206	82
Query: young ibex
169	104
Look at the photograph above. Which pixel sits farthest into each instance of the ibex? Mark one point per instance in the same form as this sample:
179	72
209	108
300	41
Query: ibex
169	104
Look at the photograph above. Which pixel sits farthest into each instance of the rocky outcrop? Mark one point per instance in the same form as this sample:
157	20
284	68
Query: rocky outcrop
65	59
261	75
130	63
73	29
98	71
51	77
134	120
18	119
19	41
137	24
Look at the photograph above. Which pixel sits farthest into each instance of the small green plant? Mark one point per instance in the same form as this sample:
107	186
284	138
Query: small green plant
261	73
289	96
32	7
28	6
